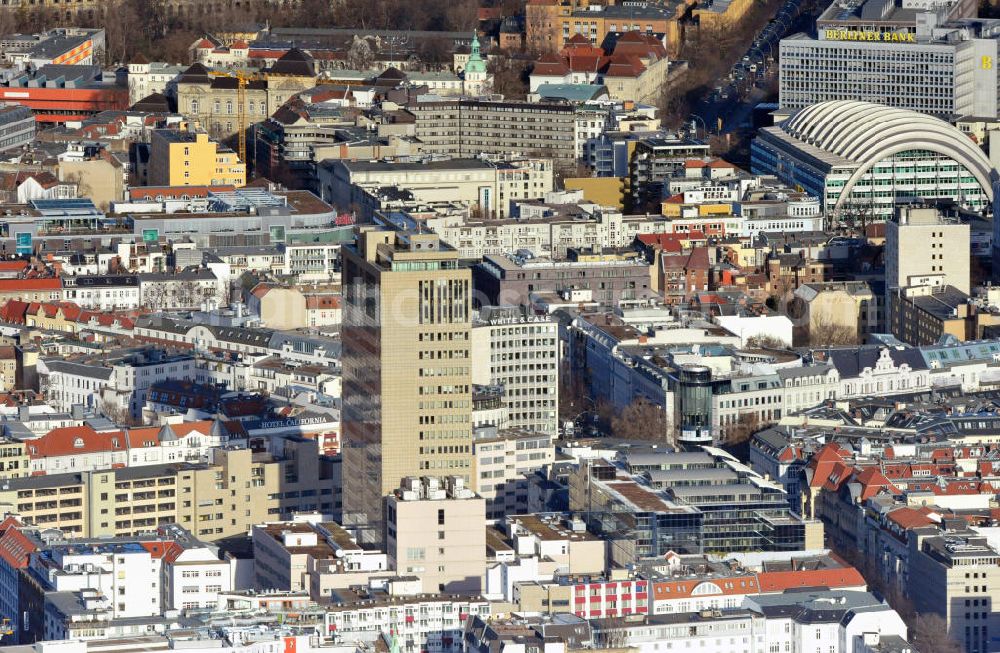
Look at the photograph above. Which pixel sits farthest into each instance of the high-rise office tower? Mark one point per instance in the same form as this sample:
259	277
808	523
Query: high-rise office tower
407	382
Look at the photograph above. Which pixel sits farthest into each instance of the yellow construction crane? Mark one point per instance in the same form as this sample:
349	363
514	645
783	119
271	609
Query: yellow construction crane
242	77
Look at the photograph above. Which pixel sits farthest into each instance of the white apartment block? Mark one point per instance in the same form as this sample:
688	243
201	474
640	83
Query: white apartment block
590	123
806	223
492	186
184	290
503	462
520	352
956	72
102	292
807	386
421	623
144	79
311	555
117	385
542	234
314	262
252	259
238	640
126	575
821	621
194	578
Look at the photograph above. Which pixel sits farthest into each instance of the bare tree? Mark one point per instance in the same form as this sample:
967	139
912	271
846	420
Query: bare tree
765	342
573	398
613	634
315	12
827	333
122	29
8	22
540	35
175	46
930	633
508	76
746	425
116	413
154	297
570	171
641	420
361	55
462	15
434	53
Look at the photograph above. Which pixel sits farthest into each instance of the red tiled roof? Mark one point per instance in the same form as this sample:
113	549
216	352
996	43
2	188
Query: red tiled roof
15	285
159	549
266	53
736	585
586	63
964	487
14	311
907	518
789	453
319	302
261	289
61	442
824	462
15	546
139	438
670	242
624	66
185	429
550	64
331	94
874	481
174	550
699	259
780	581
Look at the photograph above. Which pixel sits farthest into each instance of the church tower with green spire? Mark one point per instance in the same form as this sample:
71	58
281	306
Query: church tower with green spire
475	70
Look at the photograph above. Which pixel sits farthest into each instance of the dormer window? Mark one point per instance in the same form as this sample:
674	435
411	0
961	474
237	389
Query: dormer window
78	443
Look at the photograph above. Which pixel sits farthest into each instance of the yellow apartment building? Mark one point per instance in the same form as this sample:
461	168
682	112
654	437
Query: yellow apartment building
222	498
187	157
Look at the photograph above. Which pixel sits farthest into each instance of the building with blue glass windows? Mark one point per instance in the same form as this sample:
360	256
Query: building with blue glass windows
864	159
646	503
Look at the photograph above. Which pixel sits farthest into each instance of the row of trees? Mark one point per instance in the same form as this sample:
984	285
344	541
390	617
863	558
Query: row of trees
927	631
640	420
726	47
164	29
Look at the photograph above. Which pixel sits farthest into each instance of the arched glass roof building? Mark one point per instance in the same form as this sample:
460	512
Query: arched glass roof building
861	158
